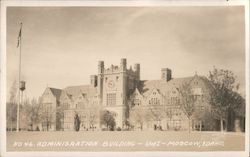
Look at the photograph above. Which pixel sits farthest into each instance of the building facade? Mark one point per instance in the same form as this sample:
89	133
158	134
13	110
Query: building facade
136	104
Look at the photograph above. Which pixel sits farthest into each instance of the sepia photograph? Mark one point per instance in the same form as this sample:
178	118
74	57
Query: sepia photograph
126	79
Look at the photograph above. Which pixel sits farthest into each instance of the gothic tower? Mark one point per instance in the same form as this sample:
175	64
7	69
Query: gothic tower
114	85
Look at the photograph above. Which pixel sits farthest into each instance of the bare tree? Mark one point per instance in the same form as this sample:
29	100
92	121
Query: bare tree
200	112
48	115
11	113
93	115
169	110
224	93
156	112
11	106
138	115
33	112
187	102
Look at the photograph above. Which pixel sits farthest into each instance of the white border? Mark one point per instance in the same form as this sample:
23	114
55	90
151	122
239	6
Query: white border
149	3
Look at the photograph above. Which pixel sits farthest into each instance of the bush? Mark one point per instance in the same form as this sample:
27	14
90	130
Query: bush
119	129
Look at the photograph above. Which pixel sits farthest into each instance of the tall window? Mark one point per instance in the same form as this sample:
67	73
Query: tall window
174	100
154	101
47	107
111	99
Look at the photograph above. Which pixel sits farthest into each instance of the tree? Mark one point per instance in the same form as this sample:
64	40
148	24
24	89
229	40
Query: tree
11	106
33	112
24	114
187	102
224	94
48	115
169	110
138	115
11	113
201	112
156	112
94	113
108	120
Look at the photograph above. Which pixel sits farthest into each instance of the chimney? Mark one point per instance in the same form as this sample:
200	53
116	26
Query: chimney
166	74
137	70
93	80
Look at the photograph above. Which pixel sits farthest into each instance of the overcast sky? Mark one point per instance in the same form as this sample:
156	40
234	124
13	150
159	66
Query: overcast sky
61	46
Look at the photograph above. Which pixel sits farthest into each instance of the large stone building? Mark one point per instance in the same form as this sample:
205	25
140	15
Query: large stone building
135	104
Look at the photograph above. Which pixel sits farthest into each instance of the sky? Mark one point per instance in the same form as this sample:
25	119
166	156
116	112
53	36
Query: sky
61	46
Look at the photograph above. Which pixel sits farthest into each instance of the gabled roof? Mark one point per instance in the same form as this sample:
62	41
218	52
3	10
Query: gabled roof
64	95
163	86
152	91
88	90
136	91
56	92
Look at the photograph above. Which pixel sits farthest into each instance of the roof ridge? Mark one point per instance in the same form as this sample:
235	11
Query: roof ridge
54	88
56	92
76	86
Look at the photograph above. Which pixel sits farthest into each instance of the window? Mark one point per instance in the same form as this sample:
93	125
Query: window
117	78
177	124
111	99
154	101
197	91
81	105
47	107
137	102
83	117
174	100
66	105
163	75
202	98
201	107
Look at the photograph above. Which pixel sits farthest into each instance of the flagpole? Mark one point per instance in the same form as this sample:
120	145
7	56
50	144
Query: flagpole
19	77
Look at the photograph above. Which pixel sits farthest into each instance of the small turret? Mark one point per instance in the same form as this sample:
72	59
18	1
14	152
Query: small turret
123	64
100	67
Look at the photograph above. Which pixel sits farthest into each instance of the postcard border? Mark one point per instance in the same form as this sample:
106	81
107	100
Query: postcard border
5	4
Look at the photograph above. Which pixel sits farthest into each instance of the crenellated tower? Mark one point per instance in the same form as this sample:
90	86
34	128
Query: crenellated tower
114	85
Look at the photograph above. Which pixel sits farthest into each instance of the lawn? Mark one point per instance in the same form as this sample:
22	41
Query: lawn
125	141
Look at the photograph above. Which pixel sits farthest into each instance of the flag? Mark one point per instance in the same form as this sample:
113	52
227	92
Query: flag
19	36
